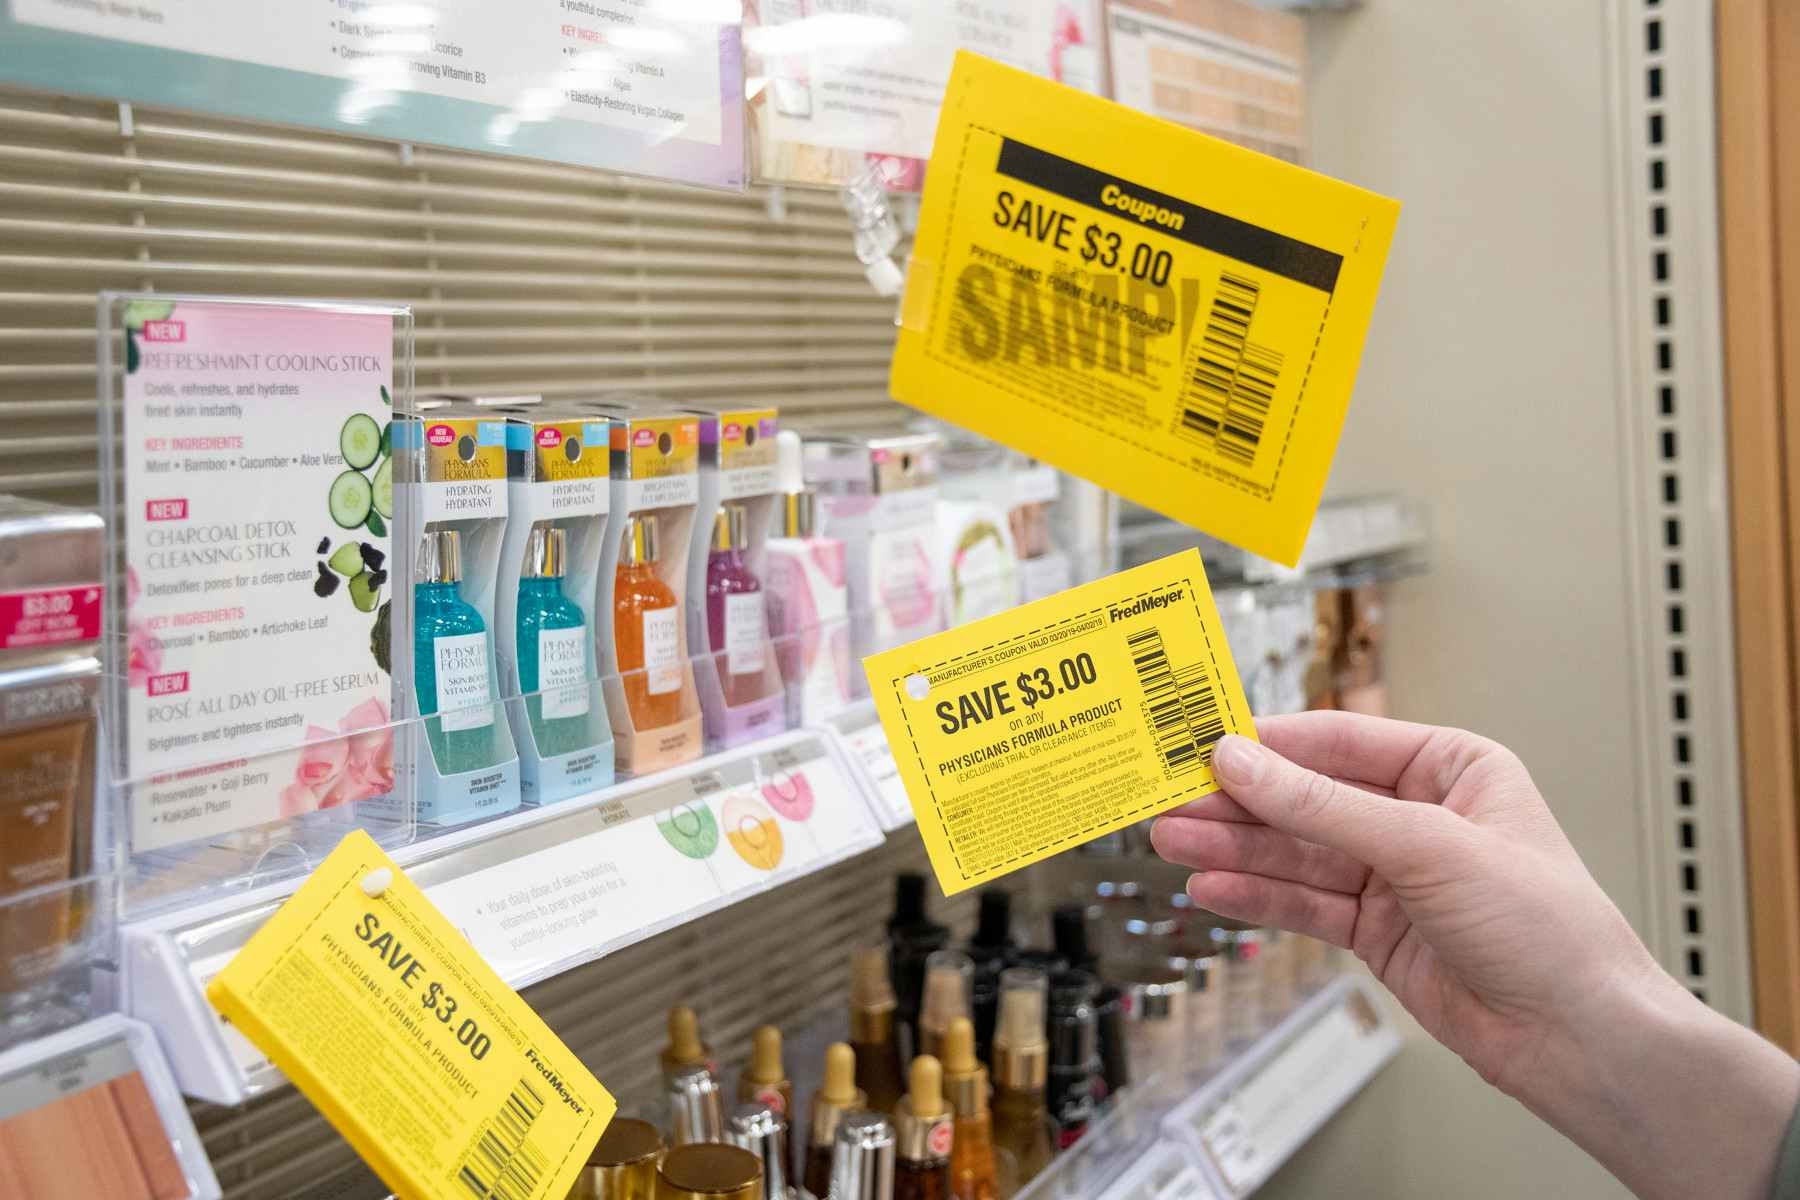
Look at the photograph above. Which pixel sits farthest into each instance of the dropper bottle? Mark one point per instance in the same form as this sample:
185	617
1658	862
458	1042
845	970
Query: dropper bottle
872	1007
972	1175
948	976
923	1133
684	1050
765	1080
835	1097
1024	1140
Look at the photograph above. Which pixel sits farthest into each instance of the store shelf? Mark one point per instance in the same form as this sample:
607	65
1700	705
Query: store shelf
544	890
1224	1139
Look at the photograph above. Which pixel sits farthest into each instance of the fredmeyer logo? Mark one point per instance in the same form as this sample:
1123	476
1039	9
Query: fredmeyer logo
165	331
440	435
1144	604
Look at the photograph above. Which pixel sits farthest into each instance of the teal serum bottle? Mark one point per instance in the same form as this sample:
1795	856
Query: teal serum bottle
553	648
450	660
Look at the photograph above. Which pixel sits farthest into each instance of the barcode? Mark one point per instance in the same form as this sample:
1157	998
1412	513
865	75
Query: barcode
1180	703
1231	381
504	1163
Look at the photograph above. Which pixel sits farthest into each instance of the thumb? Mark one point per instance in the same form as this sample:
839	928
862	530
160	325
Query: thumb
1391	836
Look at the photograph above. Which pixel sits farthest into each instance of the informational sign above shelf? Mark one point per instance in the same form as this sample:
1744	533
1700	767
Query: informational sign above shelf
544	890
649	88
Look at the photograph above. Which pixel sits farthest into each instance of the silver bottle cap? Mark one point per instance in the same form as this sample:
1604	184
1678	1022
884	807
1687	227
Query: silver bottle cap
757	1129
694	1099
862	1159
640	539
546	552
440	557
728	528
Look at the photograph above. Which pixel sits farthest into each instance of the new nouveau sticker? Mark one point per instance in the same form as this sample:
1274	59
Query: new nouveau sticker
420	1056
1174	317
1026	733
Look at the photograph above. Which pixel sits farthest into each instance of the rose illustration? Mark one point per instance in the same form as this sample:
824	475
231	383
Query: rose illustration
144	654
356	762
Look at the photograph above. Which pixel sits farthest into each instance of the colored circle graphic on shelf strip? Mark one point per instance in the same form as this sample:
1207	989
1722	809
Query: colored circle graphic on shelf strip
690	828
751	829
790	794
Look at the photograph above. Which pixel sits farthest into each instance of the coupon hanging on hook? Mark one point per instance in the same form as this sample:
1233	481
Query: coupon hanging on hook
1173	317
1056	722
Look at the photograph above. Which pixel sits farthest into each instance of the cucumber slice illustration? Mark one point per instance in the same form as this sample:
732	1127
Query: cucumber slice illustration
348	560
377	527
349	499
387	439
384	488
363	593
360	440
139	311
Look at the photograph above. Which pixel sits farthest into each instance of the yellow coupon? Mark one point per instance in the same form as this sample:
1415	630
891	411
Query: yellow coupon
1023	734
383	1016
1171	316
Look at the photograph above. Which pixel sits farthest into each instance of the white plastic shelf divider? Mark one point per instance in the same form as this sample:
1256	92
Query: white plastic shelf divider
1224	1139
865	745
543	890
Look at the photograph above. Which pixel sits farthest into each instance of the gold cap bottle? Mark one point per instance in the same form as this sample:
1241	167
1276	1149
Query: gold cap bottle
836	1096
709	1171
685	1048
965	1079
1021	1048
623	1165
765	1080
949	976
922	1120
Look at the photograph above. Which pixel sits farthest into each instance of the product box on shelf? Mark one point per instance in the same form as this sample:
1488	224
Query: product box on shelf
976	548
1044	567
558	492
461	758
809	603
735	665
651	695
878	495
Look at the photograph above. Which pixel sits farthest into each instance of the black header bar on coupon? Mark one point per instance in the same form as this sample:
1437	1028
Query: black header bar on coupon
1249	244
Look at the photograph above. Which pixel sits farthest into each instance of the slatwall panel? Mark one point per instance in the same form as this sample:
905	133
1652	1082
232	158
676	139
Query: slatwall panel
782	957
526	277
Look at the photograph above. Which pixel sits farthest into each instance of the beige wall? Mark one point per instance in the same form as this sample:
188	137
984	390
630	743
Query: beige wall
1489	389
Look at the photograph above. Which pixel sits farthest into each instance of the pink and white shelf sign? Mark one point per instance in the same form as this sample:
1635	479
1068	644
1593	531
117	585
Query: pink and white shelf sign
257	497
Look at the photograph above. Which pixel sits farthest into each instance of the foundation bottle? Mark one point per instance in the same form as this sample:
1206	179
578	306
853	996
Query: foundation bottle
949	975
765	1080
760	1130
924	1129
1024	1140
623	1165
709	1171
835	1097
972	1175
862	1159
992	950
912	937
646	629
872	1007
1074	1034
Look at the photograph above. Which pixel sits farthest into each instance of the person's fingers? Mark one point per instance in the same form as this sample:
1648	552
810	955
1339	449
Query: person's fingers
1396	837
1217	806
1255	850
1365	750
1328	916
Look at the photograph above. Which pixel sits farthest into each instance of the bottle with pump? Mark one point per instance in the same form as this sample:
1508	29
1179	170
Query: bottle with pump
836	1096
1024	1138
948	976
1069	927
646	629
1074	1055
553	647
450	660
913	936
972	1173
872	1007
924	1129
808	598
736	625
862	1158
992	949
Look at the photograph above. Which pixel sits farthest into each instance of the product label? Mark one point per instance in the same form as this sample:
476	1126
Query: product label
50	617
258	487
461	465
1171	316
747	452
1027	733
746	633
562	672
382	1014
463	696
658	461
560	451
662	650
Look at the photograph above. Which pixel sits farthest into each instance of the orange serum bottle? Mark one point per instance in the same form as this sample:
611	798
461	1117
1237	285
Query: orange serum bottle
924	1130
646	629
972	1174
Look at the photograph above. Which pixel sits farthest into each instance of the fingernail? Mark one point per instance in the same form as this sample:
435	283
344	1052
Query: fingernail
1237	760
